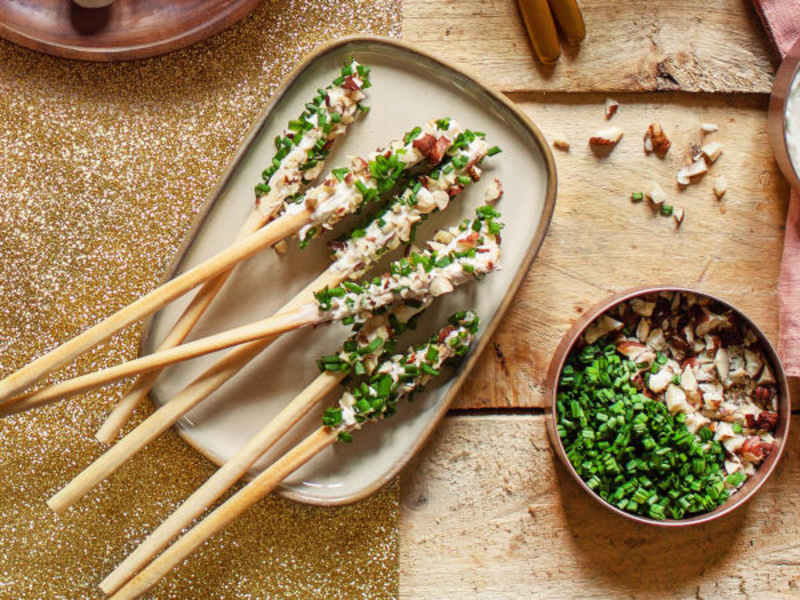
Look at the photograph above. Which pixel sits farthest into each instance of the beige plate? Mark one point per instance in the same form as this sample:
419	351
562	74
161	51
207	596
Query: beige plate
409	89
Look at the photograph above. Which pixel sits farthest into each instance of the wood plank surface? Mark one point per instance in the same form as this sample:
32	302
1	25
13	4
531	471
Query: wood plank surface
487	512
599	242
637	45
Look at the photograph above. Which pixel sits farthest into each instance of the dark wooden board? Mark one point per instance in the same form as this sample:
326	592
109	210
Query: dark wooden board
125	30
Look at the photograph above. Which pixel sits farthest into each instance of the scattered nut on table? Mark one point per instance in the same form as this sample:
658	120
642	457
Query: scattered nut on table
656	194
560	142
611	107
606	137
685	174
720	186
709	127
678	215
712	151
656	140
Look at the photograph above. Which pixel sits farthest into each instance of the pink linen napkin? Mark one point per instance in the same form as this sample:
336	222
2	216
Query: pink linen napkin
781	19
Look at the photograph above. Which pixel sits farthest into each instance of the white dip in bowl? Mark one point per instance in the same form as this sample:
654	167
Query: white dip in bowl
793	123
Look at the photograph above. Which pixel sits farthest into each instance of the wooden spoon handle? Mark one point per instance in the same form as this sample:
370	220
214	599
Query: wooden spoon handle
569	19
541	29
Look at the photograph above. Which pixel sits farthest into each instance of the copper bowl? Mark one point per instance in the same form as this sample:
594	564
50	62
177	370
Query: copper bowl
776	123
750	487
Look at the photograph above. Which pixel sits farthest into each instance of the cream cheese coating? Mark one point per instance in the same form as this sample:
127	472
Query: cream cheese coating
333	199
287	179
396	224
484	257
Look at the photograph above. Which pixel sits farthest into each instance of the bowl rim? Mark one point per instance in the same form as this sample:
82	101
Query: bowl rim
776	119
750	487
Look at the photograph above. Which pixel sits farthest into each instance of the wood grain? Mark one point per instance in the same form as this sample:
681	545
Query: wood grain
600	242
487	512
629	46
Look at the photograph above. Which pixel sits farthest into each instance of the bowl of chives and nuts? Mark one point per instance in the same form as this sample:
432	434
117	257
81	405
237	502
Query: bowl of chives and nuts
667	405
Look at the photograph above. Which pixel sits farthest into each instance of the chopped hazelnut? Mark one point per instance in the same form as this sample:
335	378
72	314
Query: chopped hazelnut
493	192
720	186
560	142
655	140
656	194
685	174
611	107
712	151
607	137
281	247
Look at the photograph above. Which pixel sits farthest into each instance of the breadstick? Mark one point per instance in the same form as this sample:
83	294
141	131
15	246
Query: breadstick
325	119
397	378
321	208
367	345
472	253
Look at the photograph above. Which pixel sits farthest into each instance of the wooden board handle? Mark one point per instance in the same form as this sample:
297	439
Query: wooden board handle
541	29
569	19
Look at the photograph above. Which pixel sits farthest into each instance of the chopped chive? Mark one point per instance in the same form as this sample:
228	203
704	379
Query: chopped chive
412	135
429	370
353	287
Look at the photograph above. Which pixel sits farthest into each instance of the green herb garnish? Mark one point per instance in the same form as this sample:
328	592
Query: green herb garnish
628	448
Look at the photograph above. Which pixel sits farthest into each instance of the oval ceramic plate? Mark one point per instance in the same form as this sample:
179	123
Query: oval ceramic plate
409	88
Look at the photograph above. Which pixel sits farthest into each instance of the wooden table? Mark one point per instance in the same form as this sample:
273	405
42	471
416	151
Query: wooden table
486	509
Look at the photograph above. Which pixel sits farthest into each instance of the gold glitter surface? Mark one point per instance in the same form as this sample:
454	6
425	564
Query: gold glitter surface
102	171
